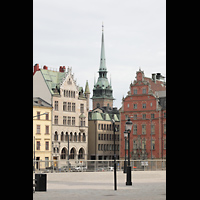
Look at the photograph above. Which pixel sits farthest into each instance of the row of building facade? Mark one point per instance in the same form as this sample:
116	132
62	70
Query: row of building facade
64	129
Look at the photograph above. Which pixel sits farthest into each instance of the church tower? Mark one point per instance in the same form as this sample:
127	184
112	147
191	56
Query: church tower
102	91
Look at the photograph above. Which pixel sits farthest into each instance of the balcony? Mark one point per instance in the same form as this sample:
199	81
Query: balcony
82	129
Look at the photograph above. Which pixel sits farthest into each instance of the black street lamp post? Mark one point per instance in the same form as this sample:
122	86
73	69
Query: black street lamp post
115	175
125	136
128	169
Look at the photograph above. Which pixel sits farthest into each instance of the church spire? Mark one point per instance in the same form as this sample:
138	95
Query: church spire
103	58
102	91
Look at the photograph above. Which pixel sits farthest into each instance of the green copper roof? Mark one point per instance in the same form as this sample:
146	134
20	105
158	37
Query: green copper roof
103	58
87	90
53	79
102	88
102	116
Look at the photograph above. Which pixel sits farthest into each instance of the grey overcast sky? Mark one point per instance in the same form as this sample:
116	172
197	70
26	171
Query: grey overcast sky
68	33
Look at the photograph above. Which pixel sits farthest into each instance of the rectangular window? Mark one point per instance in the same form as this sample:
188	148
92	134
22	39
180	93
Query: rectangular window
38	115
135	91
143	129
143	144
73	121
46	145
135	116
64	106
144	91
64	120
153	144
144	105
153	129
82	121
47	116
143	116
38	129
47	130
56	105
135	106
135	129
152	116
38	145
73	107
56	119
69	106
69	121
99	136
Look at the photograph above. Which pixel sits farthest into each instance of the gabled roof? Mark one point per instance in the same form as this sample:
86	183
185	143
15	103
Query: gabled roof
53	79
155	86
104	114
37	101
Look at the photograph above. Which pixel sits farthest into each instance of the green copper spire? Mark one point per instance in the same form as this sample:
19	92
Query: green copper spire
102	91
103	58
87	90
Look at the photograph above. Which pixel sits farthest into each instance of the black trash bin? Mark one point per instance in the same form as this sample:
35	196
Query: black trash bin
41	182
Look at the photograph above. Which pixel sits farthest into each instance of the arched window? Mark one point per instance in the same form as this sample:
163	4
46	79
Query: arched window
71	137
56	136
66	137
84	138
75	137
63	153
72	153
81	153
62	136
79	137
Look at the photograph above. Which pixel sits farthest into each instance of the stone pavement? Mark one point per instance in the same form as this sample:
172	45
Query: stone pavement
146	185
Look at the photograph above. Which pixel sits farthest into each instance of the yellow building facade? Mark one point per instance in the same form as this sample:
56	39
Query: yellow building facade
42	143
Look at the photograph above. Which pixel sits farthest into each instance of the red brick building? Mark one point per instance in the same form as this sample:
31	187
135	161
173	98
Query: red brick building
145	105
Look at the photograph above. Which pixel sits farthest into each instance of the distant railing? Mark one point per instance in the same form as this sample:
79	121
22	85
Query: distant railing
51	166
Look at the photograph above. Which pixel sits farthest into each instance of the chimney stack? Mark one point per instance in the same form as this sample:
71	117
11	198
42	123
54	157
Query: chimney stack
61	69
154	78
45	67
36	68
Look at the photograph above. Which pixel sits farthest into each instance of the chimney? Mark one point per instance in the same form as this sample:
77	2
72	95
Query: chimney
158	76
36	68
61	69
45	67
64	68
154	78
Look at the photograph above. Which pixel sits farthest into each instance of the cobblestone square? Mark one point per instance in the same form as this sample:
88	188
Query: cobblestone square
146	185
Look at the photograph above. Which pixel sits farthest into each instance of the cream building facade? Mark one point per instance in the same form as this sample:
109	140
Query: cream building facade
69	115
42	150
